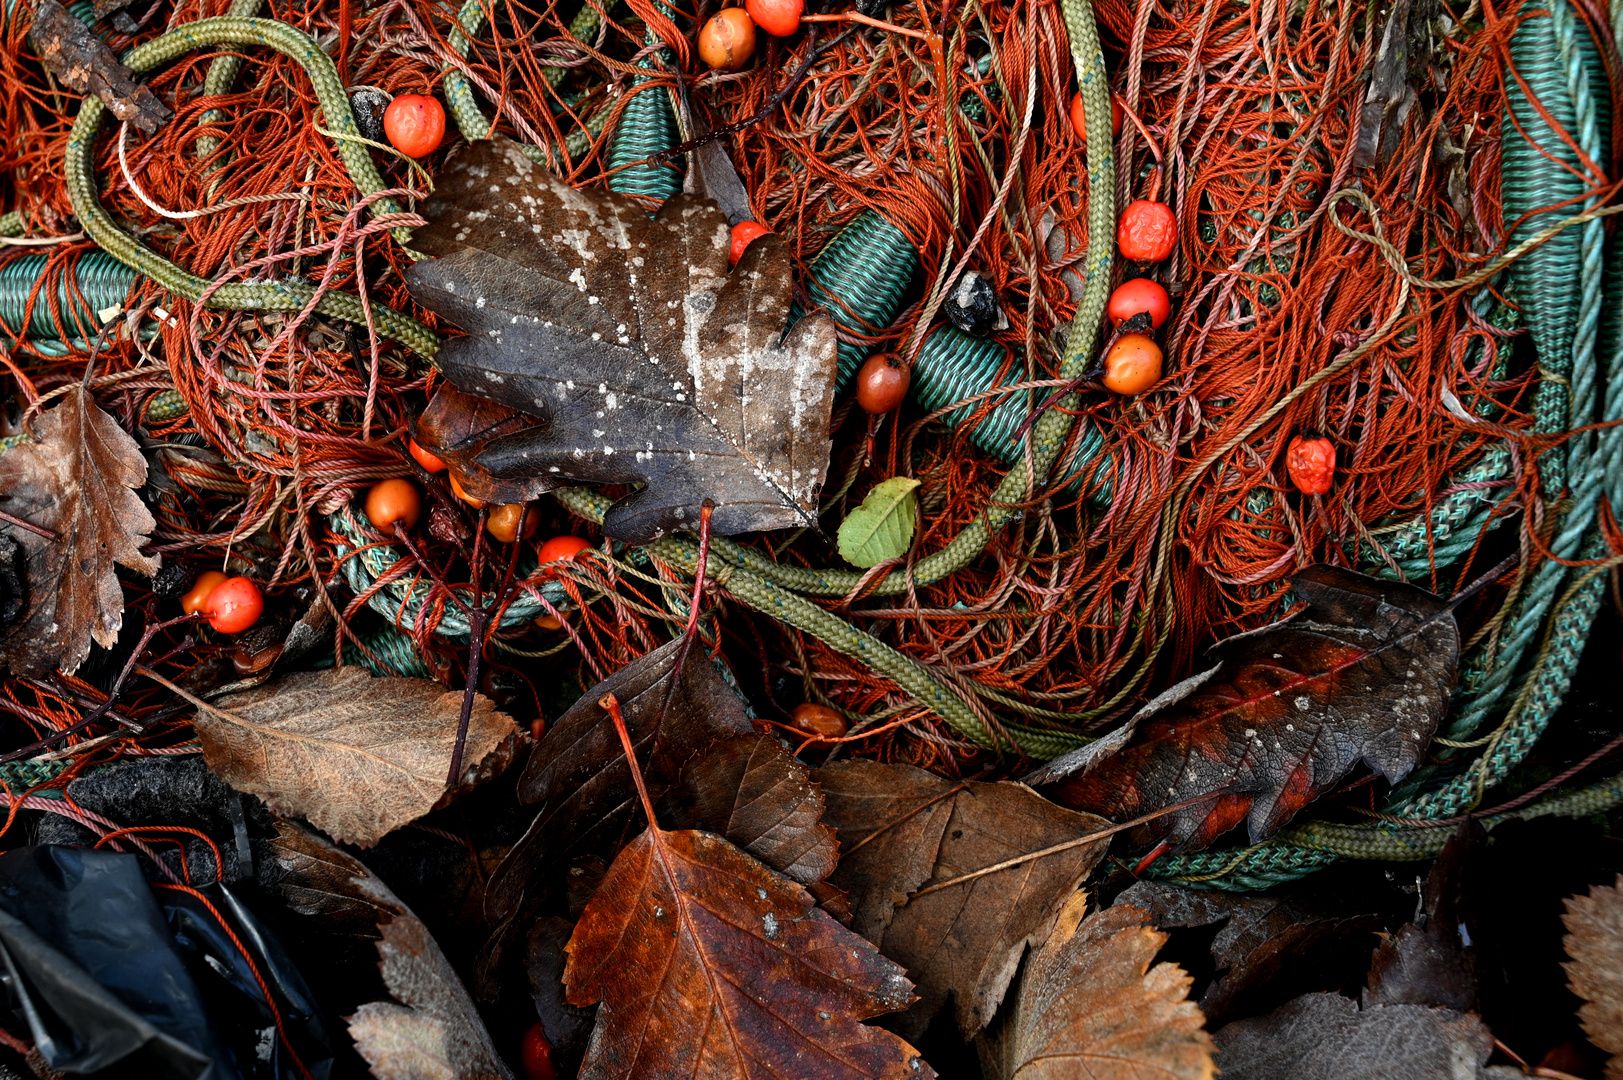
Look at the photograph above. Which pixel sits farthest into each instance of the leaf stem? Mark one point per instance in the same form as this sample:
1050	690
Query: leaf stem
611	705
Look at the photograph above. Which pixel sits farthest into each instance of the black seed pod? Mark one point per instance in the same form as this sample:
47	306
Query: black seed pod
972	306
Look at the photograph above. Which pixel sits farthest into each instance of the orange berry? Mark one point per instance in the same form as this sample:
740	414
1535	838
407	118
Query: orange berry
432	462
744	233
882	383
780	18
502	522
414	124
195	600
1133	365
727	40
550	622
560	548
1139	295
1148	231
1311	463
393	500
1079	116
819	720
456	489
234	605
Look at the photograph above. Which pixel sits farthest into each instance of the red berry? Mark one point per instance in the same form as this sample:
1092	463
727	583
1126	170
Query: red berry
727	40
780	18
537	1051
882	383
1079	116
197	597
1311	463
1133	365
429	461
560	548
819	720
414	124
1139	295
744	233
234	605
1148	231
390	501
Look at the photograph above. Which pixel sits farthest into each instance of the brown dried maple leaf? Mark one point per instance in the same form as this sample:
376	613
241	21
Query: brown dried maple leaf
357	755
709	964
1594	940
903	830
1090	1004
1364	673
645	360
75	480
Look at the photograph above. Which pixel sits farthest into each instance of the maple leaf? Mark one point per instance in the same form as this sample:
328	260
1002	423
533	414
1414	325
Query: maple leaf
1364	673
75	480
357	755
577	774
645	360
1594	941
752	791
903	830
1328	1037
1090	1004
436	1030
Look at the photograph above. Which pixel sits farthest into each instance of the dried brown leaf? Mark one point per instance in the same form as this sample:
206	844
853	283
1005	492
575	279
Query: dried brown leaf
1594	940
751	790
359	756
435	1033
456	427
1089	1004
902	829
646	361
1328	1037
85	64
76	480
709	964
567	1028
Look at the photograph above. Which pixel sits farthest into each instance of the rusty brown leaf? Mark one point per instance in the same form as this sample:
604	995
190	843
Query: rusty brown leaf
1594	941
903	830
1090	1005
456	427
645	359
85	64
77	481
359	756
707	963
431	1029
751	790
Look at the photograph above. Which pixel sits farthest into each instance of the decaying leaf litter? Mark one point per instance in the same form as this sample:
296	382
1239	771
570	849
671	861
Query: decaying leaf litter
675	573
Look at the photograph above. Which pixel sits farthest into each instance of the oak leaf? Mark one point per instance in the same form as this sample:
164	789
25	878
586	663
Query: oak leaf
359	756
1089	1004
645	360
1594	941
1364	673
577	775
434	1031
751	790
709	964
903	830
1328	1037
75	480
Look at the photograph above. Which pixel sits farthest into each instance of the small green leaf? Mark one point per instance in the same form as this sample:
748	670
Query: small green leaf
882	527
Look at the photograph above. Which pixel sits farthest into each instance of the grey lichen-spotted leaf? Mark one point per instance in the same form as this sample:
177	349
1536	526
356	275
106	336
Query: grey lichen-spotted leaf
645	359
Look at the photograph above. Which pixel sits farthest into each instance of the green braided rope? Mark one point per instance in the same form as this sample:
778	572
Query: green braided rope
259	296
11	223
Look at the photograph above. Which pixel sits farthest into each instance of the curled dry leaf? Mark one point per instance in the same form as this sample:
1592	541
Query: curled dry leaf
645	360
85	64
1594	940
709	964
1089	1004
577	776
76	480
902	830
1363	674
359	756
751	790
457	426
434	1031
1328	1037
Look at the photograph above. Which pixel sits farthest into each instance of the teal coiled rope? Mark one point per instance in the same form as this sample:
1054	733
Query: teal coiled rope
99	282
